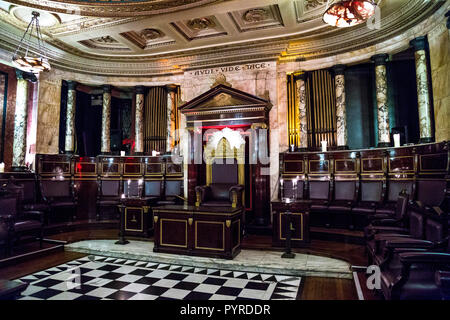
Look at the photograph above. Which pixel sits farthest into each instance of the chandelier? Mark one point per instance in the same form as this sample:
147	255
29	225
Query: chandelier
348	13
22	59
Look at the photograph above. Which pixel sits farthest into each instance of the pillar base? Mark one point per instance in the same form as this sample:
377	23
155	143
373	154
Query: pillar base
106	153
139	153
383	145
19	169
426	140
343	148
70	153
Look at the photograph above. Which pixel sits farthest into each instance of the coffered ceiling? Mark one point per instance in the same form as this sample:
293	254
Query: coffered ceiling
165	36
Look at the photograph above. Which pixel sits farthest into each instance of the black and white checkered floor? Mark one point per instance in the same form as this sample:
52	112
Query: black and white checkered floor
103	278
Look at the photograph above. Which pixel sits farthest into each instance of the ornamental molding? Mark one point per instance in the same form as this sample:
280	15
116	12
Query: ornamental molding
298	48
118	8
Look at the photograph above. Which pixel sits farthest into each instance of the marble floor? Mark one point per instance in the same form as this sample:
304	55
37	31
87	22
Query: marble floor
104	278
248	260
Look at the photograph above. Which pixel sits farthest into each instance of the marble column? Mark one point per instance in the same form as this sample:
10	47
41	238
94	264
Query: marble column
139	121
341	113
384	139
70	117
171	116
300	85
20	123
106	120
423	93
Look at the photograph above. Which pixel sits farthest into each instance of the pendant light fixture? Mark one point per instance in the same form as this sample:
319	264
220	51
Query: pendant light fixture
348	13
22	58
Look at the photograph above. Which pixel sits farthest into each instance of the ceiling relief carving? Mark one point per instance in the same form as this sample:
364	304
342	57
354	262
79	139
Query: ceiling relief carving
148	38
151	34
116	8
257	18
228	33
256	15
199	28
312	4
198	24
104	43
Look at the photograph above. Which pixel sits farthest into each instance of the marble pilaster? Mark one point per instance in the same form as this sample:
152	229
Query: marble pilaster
171	116
341	113
423	94
106	120
139	121
300	85
20	123
384	139
70	117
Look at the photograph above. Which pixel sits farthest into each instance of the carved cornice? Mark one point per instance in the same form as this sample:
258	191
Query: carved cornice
306	46
118	8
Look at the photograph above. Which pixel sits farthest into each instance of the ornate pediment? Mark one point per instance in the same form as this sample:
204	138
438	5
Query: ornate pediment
223	98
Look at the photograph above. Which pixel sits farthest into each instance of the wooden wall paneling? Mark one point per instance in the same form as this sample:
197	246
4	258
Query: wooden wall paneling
85	182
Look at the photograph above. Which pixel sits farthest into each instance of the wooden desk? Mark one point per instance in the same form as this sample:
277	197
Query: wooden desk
11	289
299	219
136	217
203	231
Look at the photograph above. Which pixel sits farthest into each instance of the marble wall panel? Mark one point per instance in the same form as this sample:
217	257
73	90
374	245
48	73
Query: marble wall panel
439	43
10	110
48	114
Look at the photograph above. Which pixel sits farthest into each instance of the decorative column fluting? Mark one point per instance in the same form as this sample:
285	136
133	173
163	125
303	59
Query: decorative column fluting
20	123
384	139
69	146
106	120
171	126
341	113
139	121
423	93
300	86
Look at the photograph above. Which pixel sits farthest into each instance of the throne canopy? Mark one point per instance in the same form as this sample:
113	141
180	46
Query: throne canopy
223	105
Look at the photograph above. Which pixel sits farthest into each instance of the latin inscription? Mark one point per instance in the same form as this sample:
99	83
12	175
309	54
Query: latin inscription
245	67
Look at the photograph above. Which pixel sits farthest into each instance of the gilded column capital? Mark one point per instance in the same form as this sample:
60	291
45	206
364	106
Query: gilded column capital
19	74
139	89
419	43
339	69
303	75
380	59
27	76
72	85
171	87
259	125
107	88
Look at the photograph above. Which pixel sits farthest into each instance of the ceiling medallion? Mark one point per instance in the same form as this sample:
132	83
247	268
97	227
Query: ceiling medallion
256	15
348	13
151	34
105	39
201	24
22	58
